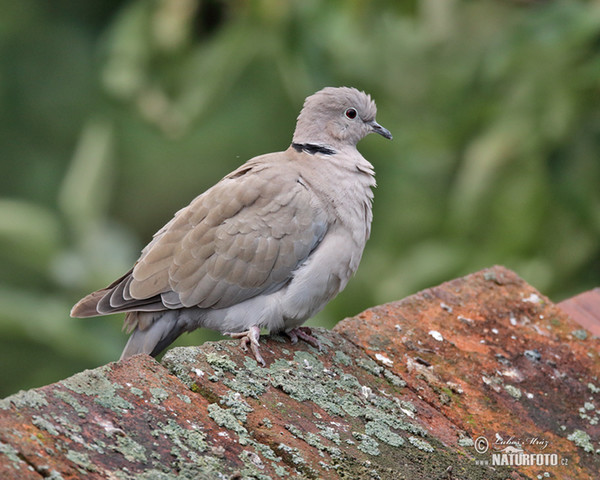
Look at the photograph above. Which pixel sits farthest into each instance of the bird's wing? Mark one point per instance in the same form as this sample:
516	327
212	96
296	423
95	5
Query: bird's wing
243	237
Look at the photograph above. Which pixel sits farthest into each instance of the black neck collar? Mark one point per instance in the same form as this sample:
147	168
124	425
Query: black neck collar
312	148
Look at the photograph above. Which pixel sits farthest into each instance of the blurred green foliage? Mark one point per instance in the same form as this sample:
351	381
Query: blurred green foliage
115	114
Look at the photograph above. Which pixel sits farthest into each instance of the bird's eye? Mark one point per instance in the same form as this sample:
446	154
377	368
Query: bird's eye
350	113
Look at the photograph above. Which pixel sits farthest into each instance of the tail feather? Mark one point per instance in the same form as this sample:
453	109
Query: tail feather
87	306
152	332
115	299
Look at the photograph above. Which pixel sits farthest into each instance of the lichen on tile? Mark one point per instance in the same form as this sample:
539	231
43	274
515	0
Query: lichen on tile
582	439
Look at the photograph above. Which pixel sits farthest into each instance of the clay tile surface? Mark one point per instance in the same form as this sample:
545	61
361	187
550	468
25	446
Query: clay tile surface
454	382
585	310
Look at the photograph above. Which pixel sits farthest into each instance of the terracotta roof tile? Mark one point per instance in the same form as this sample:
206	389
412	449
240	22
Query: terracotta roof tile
406	390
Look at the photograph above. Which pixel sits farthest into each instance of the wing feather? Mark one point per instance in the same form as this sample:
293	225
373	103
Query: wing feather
244	236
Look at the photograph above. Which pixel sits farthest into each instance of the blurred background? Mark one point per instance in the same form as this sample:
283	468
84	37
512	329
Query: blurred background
115	114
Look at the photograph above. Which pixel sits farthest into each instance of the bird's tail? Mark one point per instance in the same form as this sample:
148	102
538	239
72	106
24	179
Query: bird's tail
152	332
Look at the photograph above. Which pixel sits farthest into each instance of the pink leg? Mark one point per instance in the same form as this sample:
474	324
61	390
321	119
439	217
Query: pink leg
304	333
251	337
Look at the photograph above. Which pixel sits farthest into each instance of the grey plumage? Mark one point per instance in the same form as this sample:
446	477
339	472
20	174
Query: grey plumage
266	247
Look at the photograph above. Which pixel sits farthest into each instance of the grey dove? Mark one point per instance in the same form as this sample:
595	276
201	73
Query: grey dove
268	246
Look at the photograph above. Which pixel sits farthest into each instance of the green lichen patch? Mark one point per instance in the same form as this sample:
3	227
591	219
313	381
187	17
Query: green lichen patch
181	362
421	444
349	382
94	383
292	453
367	444
329	433
381	430
138	392
184	398
342	359
313	440
159	395
593	388
253	465
248	386
81	459
265	451
464	441
236	405
582	440
513	391
130	449
71	401
225	418
25	399
377	417
370	366
393	419
221	363
580	334
186	439
44	424
393	379
10	452
267	422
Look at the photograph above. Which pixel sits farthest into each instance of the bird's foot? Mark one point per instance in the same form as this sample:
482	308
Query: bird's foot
250	337
304	333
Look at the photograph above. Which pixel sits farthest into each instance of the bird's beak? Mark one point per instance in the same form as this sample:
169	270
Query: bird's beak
376	128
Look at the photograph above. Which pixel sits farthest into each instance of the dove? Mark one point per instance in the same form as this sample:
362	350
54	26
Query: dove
267	247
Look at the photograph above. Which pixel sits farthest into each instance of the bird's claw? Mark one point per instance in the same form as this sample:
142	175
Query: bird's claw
250	337
304	333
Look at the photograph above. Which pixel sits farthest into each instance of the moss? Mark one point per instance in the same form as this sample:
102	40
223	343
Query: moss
205	392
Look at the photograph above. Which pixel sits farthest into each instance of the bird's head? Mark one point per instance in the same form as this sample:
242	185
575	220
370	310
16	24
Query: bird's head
337	117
